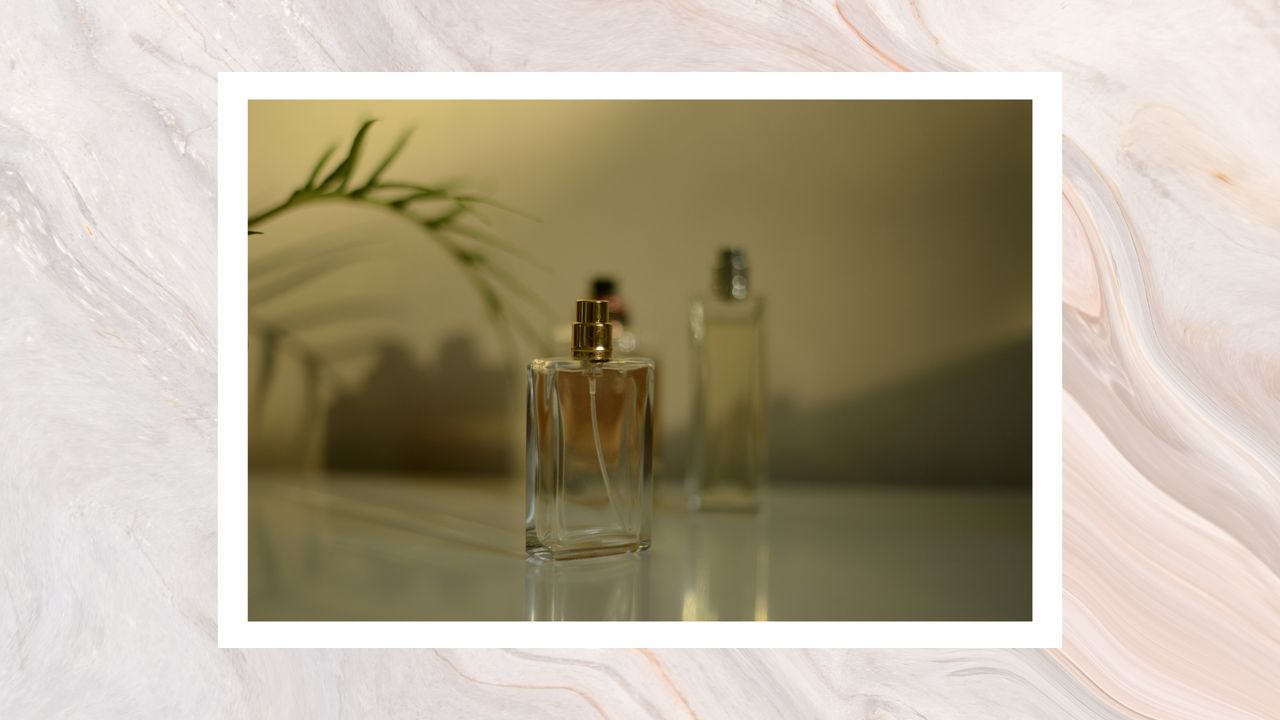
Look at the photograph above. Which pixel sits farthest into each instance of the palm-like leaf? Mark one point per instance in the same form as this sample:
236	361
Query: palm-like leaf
438	211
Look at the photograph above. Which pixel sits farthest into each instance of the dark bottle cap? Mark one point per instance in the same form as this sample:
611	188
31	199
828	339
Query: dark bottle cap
602	286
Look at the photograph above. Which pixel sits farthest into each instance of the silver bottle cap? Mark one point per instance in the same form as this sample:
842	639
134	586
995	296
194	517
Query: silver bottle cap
730	281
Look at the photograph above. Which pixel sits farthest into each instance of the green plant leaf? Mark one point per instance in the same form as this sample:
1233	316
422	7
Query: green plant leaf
443	219
342	173
427	193
488	239
315	172
438	210
377	172
481	200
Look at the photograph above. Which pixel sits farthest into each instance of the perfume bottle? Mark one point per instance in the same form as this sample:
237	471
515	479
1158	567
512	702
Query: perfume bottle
589	474
726	469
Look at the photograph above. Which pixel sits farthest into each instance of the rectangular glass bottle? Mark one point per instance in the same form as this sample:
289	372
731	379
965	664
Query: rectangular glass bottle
589	461
727	465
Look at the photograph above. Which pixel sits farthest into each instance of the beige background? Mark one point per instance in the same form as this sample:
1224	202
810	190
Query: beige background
890	240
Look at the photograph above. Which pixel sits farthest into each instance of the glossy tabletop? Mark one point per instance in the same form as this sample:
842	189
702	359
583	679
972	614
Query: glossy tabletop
352	547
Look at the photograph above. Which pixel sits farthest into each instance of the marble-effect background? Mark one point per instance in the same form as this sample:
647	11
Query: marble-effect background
1171	309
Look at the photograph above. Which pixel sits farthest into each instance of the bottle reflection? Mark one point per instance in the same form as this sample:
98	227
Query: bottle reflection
603	588
727	569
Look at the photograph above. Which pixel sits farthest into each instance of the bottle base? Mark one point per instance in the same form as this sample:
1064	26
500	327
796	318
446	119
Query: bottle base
595	547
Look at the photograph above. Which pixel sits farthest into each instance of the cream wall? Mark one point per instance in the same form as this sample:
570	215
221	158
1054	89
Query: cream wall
889	239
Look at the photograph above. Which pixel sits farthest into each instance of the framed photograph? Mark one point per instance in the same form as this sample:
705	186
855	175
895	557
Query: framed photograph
640	360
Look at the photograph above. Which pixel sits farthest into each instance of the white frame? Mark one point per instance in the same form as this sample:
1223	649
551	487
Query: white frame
236	89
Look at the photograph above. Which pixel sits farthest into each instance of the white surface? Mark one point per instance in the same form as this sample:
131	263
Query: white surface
352	547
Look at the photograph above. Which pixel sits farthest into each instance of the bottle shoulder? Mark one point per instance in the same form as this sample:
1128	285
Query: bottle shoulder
710	306
572	364
711	309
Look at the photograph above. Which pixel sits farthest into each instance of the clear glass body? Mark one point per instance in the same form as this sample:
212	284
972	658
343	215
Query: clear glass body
726	469
589	457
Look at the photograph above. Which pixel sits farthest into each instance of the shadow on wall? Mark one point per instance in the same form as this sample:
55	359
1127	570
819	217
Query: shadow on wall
412	417
965	424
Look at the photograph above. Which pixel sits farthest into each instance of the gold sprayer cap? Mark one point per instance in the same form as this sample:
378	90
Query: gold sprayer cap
592	332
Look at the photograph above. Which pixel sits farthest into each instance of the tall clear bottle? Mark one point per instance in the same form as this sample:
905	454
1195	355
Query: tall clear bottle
589	462
727	457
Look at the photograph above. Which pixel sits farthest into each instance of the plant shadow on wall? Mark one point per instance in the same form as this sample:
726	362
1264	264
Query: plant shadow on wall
413	416
290	340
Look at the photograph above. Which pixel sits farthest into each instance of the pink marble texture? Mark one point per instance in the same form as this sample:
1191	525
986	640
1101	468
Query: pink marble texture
1171	308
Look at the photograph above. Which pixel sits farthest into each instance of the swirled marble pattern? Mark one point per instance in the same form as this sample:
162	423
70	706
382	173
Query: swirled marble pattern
1171	358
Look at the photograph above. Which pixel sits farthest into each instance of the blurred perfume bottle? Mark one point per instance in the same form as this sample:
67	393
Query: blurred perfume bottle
604	588
589	482
726	469
625	340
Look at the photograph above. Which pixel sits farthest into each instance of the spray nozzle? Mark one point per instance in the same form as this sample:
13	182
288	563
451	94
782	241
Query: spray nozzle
592	332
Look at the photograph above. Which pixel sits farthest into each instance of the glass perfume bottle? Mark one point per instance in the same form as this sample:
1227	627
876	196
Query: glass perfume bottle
726	469
589	482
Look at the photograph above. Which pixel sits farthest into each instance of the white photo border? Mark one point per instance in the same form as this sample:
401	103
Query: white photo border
1044	90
